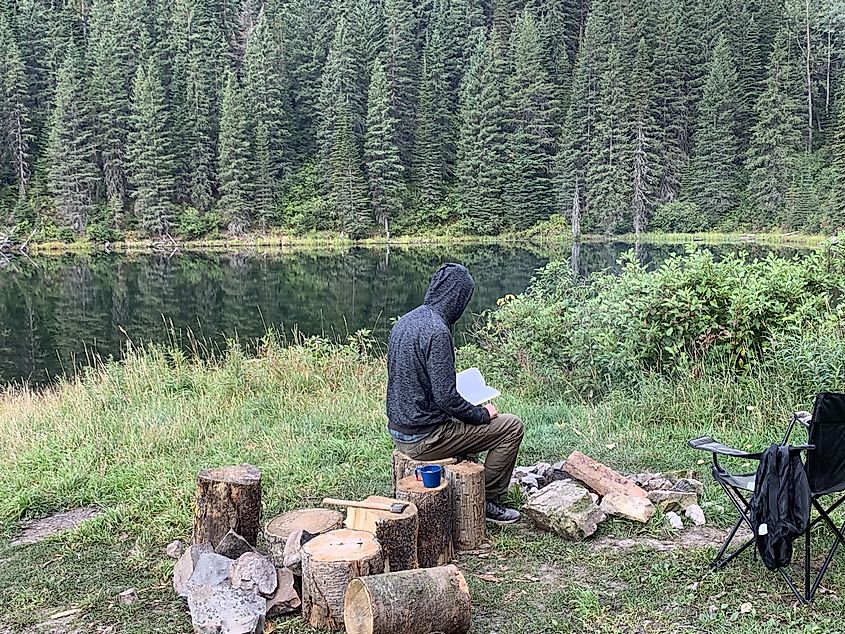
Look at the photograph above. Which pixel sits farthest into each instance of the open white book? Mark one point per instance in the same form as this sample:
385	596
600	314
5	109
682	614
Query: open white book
473	387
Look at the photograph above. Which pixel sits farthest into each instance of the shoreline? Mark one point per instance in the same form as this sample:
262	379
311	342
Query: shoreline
283	242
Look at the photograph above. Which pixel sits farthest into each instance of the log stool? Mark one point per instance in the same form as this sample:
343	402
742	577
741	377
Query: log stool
329	562
396	532
434	510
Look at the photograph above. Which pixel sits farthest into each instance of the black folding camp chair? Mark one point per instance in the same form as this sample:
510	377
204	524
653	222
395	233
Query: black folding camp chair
825	465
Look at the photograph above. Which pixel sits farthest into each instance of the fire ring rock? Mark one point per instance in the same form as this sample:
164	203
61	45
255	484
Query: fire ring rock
565	508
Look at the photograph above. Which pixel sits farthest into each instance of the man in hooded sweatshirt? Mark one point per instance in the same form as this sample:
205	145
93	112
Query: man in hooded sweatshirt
427	418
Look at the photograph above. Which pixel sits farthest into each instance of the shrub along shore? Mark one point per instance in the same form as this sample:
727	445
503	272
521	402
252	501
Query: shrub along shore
618	367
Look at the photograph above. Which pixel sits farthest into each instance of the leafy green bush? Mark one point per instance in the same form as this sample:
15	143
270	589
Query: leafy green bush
691	313
191	224
679	217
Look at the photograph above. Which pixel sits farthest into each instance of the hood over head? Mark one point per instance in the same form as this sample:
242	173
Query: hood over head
449	291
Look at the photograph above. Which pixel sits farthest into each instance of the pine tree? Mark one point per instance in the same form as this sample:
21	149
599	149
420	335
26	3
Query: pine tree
481	151
381	153
608	171
264	192
204	50
746	45
776	138
15	124
838	152
644	139
434	149
531	129
671	105
235	153
714	183
401	68
151	162
348	189
73	172
267	91
339	91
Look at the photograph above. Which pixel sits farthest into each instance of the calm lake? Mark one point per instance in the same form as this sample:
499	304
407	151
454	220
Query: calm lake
58	312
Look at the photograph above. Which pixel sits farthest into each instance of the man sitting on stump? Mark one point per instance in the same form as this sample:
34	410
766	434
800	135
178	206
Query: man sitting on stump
428	418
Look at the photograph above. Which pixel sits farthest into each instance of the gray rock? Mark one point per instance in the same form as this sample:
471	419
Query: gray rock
565	508
689	485
674	520
285	600
557	473
184	568
212	570
293	550
255	573
696	514
226	610
630	507
128	597
233	546
543	468
672	500
175	549
520	472
530	481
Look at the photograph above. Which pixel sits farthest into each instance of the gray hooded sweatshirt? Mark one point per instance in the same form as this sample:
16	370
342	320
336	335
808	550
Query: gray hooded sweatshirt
421	392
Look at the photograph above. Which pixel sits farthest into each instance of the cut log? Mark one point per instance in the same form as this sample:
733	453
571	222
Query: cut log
600	478
466	486
314	521
404	466
410	602
434	511
228	498
329	563
396	532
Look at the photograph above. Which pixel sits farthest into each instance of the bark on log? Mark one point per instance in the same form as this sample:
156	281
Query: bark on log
315	521
404	466
329	563
396	532
600	478
410	602
228	498
466	483
434	512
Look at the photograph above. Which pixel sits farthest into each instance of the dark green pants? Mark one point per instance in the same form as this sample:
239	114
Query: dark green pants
500	438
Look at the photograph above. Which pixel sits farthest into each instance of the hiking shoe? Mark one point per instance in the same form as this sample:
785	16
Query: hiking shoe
498	514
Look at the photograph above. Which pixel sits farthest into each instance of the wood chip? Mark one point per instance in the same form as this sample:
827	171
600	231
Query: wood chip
66	613
490	578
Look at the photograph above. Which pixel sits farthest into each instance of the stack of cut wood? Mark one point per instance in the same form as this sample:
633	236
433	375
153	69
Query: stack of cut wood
382	569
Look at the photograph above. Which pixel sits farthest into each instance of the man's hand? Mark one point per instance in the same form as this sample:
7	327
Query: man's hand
491	409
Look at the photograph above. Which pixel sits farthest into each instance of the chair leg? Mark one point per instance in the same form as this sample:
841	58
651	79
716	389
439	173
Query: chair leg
721	561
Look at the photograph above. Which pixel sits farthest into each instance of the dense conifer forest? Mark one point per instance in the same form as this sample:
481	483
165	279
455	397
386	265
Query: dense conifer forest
379	117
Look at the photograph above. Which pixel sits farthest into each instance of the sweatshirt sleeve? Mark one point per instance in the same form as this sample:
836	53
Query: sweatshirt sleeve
441	372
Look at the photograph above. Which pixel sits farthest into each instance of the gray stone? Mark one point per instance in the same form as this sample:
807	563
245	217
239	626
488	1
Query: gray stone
630	507
255	573
184	568
233	546
175	549
672	500
212	570
543	468
285	600
530	481
674	520
689	485
293	550
565	508
128	597
696	514
557	473
226	610
520	472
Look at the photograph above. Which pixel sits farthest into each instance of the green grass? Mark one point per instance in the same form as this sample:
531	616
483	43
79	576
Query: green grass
131	437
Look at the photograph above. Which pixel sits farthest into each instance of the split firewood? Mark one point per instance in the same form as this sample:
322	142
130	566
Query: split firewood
599	477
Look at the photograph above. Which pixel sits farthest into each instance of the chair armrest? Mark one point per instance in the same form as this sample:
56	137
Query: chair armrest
710	445
805	418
